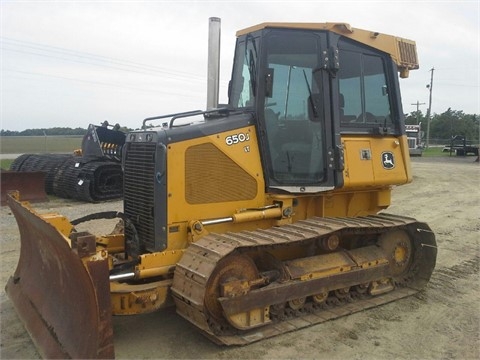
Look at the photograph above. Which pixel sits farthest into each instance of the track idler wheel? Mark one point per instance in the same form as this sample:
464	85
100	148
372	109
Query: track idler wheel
397	246
234	276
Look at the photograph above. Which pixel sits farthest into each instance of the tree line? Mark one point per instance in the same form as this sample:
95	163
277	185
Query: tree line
45	132
56	131
448	124
442	126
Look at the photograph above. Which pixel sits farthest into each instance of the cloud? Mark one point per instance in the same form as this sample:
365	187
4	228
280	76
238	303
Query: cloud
78	62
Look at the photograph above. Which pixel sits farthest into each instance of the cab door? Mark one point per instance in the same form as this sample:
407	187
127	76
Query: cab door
293	108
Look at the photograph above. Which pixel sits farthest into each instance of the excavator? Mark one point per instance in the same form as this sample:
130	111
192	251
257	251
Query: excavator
254	218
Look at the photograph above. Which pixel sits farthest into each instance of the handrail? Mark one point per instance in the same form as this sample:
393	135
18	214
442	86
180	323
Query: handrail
184	115
188	113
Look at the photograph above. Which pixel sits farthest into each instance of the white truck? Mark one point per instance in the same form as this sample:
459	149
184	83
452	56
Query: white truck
414	137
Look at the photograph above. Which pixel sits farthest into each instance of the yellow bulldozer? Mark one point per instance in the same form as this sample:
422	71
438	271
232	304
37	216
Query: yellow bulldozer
264	217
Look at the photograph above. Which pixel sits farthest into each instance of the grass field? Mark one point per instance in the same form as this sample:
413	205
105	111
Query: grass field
5	163
435	151
39	144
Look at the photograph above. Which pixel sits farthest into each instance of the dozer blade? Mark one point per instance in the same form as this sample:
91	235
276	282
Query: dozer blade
30	184
64	305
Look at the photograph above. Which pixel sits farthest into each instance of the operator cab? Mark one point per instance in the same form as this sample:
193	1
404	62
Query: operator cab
306	87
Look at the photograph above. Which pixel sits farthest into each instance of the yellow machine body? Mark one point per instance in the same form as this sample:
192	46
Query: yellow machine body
271	209
367	191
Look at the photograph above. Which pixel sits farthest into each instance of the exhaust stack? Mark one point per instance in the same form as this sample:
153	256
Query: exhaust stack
213	76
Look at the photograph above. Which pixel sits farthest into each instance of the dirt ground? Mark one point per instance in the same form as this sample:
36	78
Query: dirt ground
441	322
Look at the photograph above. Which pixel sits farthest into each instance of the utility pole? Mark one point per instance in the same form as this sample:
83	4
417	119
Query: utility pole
430	87
418	106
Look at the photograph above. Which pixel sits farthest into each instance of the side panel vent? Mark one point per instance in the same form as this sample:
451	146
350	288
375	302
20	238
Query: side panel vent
212	177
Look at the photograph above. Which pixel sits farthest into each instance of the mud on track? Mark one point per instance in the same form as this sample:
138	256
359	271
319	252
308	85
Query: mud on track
443	321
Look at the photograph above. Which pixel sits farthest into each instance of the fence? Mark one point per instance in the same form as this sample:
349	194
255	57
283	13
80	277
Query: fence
445	142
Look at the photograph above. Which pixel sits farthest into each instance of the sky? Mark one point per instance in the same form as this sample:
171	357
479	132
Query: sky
73	63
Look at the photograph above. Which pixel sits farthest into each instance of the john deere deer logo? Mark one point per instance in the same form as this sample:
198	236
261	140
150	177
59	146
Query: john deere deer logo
388	161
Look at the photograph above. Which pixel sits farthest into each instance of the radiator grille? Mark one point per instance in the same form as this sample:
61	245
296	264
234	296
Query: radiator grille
211	176
139	175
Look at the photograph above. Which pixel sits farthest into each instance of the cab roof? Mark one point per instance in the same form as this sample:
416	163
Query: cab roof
402	51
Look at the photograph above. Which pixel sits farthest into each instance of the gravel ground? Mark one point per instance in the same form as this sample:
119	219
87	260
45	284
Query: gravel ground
441	322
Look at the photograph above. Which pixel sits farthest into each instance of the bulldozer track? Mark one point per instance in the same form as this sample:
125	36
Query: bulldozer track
192	273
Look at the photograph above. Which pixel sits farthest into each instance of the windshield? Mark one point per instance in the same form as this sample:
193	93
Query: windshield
294	141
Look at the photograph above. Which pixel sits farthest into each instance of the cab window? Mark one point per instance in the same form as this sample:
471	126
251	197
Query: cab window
364	99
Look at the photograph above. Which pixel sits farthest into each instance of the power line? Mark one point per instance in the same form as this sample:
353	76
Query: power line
87	55
418	105
92	59
32	73
418	108
169	92
460	85
171	76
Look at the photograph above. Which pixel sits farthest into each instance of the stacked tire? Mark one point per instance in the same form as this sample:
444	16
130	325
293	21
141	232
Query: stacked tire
75	177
